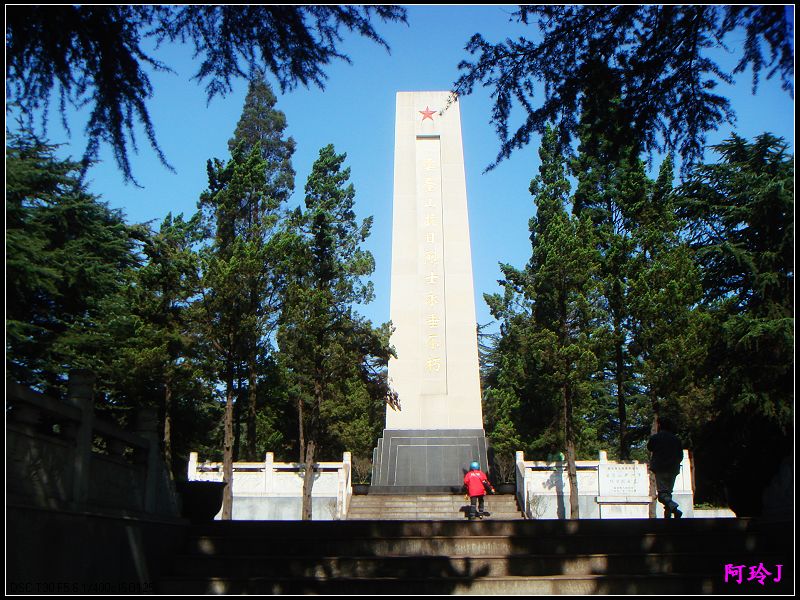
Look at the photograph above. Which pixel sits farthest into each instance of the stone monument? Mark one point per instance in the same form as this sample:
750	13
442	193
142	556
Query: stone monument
437	430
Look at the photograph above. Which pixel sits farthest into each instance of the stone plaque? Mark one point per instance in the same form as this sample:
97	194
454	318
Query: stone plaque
623	480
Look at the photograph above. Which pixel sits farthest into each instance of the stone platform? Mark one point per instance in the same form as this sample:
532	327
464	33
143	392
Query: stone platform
418	461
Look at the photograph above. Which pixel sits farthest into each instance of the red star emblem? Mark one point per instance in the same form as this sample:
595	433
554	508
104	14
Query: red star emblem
427	113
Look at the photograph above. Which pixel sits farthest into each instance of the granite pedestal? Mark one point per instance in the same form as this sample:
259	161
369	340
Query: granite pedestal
425	460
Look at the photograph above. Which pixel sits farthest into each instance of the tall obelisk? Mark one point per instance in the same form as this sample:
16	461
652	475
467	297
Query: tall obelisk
438	429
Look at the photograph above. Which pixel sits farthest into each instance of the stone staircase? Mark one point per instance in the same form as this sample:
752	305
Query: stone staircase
392	557
428	507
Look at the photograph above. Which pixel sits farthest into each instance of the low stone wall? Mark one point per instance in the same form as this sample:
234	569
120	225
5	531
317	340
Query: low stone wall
53	461
54	552
274	491
606	490
80	520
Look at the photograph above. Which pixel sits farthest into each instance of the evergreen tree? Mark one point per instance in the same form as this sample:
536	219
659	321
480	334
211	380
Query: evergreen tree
515	416
86	290
242	281
563	268
158	344
740	215
34	181
263	124
664	289
551	355
66	253
326	347
235	265
261	128
156	353
611	178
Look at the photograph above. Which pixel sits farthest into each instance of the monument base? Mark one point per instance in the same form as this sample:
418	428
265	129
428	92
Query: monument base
425	460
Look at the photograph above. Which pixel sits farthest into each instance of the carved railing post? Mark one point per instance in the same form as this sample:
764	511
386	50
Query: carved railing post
146	426
269	472
81	396
520	476
191	468
345	486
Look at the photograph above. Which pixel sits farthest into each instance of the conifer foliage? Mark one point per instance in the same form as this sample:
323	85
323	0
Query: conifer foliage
240	279
66	253
740	219
557	327
326	346
99	55
664	53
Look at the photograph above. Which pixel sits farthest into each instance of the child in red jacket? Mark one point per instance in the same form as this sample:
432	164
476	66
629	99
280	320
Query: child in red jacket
476	483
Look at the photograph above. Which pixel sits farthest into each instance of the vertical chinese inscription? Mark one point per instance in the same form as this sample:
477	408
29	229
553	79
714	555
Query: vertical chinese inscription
430	267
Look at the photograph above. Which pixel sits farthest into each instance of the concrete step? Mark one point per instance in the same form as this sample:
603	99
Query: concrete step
428	517
474	545
532	565
312	530
639	556
432	509
432	498
424	507
471	583
432	515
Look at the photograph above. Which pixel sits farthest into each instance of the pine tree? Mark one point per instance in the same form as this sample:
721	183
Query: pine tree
66	253
664	288
261	128
563	269
236	263
325	345
740	214
551	325
610	178
164	345
242	282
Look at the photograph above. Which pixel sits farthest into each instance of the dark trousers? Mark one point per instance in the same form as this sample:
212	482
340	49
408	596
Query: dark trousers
665	481
475	501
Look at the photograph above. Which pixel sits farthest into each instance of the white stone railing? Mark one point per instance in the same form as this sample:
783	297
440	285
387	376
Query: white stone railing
272	490
606	490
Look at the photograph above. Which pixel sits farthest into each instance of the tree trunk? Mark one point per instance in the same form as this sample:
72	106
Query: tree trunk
227	456
624	450
301	434
306	454
252	396
168	424
311	445
572	473
308	480
569	432
652	477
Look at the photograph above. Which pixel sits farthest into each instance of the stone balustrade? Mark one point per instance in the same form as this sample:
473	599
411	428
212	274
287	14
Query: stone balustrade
61	456
272	490
606	489
90	507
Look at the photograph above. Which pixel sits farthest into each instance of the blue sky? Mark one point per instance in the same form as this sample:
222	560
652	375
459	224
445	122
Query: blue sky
355	113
